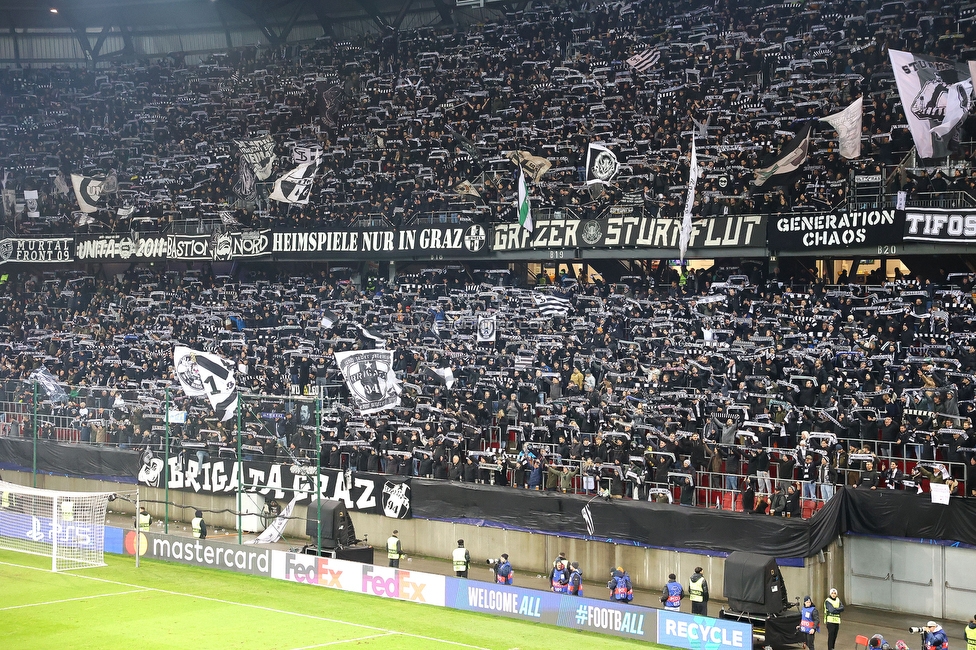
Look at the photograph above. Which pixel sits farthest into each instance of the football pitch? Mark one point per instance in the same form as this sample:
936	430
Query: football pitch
168	605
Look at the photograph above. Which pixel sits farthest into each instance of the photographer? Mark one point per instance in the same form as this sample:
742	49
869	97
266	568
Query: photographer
504	575
934	637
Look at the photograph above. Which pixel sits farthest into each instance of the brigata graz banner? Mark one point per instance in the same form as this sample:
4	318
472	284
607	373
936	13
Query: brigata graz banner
425	242
36	249
811	232
726	231
941	225
246	244
378	494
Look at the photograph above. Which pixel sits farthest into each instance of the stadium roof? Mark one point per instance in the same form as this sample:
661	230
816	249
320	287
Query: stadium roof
274	17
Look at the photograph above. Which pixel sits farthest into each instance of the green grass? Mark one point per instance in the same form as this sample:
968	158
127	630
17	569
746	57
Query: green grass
168	605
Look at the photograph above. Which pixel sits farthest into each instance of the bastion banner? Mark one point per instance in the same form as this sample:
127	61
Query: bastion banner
824	231
378	494
939	225
246	244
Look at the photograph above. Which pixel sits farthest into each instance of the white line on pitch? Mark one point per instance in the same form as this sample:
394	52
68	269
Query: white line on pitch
68	600
252	606
355	640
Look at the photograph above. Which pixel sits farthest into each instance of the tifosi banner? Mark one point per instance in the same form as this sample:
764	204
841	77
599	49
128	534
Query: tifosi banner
219	246
941	225
424	242
796	232
48	249
735	231
377	494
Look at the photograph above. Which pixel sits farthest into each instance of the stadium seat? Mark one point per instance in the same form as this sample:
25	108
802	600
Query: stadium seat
859	641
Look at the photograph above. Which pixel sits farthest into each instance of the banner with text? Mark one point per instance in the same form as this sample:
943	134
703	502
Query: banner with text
727	231
36	249
946	226
378	494
811	232
223	246
423	242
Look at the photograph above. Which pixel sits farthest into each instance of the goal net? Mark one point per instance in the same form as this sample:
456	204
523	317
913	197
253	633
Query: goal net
68	527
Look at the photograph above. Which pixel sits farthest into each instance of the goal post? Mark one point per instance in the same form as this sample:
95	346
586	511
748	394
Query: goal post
68	527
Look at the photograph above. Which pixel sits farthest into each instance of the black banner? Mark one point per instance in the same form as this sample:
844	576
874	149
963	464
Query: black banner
727	231
86	461
429	242
221	246
377	494
941	225
812	232
36	249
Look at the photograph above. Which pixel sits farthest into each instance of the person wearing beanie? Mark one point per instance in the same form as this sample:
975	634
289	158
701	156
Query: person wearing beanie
832	609
698	593
970	633
809	622
935	637
461	559
671	596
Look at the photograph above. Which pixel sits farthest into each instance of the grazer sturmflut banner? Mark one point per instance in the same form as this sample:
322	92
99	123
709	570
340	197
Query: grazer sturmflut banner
221	246
726	231
941	225
421	242
377	494
36	249
797	232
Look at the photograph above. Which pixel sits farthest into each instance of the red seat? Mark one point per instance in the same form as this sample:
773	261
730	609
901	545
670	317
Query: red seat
806	509
726	501
738	503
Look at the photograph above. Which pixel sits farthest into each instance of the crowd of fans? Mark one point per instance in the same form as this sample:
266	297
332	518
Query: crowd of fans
412	114
721	385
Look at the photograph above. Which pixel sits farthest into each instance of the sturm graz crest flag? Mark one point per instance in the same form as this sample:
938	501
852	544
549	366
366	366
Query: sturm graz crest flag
370	378
487	328
295	186
601	164
936	94
205	374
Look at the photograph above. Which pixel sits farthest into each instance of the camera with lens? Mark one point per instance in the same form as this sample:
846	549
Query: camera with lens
917	630
493	561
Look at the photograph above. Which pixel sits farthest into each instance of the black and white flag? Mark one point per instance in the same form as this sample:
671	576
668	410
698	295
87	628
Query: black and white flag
246	184
551	305
295	186
369	376
937	95
792	157
372	335
202	374
588	519
30	199
111	183
61	184
329	319
88	191
276	528
443	376
304	154
487	328
55	392
601	164
327	101
848	125
259	153
645	60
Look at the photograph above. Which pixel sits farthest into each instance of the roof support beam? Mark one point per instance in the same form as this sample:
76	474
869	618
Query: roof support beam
374	13
446	12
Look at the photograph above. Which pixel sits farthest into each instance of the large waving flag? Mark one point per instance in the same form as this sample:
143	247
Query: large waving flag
793	156
848	125
88	191
601	164
295	186
936	94
204	374
685	235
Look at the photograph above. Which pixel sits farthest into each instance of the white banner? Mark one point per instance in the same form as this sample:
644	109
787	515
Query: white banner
30	198
370	378
848	125
205	374
487	328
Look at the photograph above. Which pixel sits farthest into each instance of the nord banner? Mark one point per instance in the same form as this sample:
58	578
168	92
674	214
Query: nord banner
423	242
941	225
223	246
727	231
378	494
796	232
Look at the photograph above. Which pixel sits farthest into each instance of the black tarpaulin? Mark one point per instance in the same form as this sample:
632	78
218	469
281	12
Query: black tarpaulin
754	584
89	461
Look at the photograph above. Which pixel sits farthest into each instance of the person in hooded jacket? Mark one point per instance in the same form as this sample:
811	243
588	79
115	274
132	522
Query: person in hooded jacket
698	593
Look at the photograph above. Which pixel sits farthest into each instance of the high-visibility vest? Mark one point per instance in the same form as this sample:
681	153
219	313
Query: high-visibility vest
459	557
835	604
696	590
807	626
195	522
144	520
393	548
970	637
4	499
67	510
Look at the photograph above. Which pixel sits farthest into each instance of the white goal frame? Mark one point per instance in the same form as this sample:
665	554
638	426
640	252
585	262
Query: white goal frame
68	527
